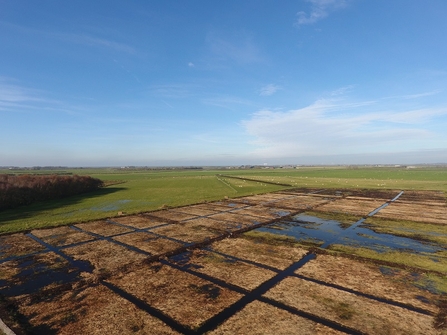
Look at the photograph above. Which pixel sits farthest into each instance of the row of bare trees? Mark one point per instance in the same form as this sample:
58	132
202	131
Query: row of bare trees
18	190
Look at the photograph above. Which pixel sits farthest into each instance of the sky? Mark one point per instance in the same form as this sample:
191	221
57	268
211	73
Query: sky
199	82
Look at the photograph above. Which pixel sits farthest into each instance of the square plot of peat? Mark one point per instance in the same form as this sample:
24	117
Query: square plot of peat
351	206
245	220
415	212
261	198
172	215
258	318
217	226
275	256
84	309
138	221
426	197
18	245
106	257
198	210
300	202
187	299
365	315
371	279
149	243
186	232
229	204
62	236
229	269
103	228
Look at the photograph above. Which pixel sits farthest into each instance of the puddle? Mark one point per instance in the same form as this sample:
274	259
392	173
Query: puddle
209	290
305	227
34	275
113	206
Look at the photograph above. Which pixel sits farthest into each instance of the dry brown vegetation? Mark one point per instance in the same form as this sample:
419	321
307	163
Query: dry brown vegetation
193	270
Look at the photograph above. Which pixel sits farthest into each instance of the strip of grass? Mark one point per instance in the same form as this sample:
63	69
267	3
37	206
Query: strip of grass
415	230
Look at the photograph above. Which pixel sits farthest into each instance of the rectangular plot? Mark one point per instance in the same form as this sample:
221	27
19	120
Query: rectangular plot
229	270
367	316
428	197
351	206
198	210
218	226
300	202
245	220
187	233
186	298
106	257
148	242
415	212
62	236
276	256
17	245
259	318
138	221
174	215
263	198
228	204
82	309
103	228
370	279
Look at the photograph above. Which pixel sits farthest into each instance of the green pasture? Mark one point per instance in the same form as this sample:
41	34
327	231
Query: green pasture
133	191
427	178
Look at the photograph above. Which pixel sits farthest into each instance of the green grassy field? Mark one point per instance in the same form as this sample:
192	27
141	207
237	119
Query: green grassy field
134	191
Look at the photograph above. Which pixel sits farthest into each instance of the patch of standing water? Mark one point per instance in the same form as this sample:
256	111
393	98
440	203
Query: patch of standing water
113	206
305	227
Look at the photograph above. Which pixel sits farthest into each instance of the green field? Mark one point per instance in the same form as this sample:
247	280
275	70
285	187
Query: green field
134	191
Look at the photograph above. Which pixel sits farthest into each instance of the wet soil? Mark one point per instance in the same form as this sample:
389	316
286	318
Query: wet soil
194	270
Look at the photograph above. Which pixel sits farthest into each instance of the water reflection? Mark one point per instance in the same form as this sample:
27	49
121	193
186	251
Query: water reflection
325	232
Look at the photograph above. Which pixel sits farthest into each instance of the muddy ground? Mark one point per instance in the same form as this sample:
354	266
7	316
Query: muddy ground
256	265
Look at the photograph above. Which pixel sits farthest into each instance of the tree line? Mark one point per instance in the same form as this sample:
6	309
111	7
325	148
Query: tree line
19	190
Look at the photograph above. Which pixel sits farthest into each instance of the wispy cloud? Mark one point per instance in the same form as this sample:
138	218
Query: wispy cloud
318	11
172	91
334	126
269	89
240	48
94	41
227	102
77	38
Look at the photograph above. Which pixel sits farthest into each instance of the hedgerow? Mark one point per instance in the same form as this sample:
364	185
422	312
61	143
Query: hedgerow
19	190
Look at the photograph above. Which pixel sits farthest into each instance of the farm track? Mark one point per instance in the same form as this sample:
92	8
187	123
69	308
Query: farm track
190	270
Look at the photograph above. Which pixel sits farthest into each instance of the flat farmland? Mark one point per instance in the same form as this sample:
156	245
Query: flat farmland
294	261
207	252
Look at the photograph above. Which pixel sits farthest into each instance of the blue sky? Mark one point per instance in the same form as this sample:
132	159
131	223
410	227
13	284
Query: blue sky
112	83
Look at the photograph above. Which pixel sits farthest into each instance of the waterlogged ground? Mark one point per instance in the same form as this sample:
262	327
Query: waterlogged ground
307	261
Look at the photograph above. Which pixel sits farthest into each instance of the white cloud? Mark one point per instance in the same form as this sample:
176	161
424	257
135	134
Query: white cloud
269	90
332	126
319	10
191	64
